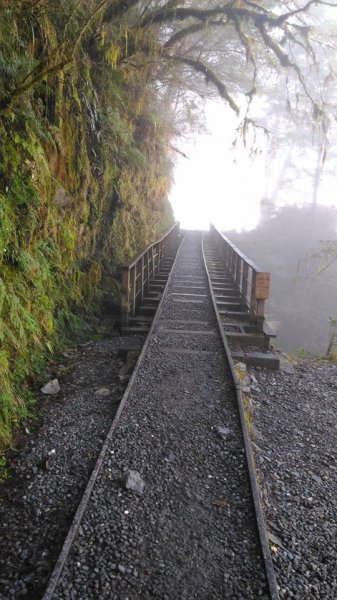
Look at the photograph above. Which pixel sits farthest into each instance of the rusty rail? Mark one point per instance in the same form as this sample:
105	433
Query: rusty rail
141	270
252	282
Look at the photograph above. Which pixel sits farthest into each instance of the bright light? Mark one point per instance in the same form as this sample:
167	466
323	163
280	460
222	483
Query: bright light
216	184
209	186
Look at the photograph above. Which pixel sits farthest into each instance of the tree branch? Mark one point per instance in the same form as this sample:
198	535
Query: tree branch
210	76
279	21
177	150
272	45
7	103
190	30
245	41
286	62
181	14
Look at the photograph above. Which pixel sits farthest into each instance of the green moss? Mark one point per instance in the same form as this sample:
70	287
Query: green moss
83	186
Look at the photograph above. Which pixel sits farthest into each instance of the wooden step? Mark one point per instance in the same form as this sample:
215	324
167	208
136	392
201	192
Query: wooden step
150	301
249	339
134	330
219	280
231	305
228	293
234	314
147	310
258	359
140	319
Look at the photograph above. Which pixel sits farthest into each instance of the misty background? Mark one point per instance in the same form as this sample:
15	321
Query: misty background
267	180
277	203
290	242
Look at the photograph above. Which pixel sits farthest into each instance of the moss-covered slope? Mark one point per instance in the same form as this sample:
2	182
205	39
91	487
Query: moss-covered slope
83	182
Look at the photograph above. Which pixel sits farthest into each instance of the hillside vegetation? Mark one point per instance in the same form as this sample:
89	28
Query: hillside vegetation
84	175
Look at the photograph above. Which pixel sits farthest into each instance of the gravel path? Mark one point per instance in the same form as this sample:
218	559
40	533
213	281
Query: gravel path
49	474
191	528
296	451
190	532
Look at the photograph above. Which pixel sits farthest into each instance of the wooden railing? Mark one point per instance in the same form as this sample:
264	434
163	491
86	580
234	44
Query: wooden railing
252	282
141	270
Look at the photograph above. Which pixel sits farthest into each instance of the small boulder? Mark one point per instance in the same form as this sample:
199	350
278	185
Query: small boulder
51	388
223	431
102	392
256	435
245	388
48	460
172	457
134	481
125	373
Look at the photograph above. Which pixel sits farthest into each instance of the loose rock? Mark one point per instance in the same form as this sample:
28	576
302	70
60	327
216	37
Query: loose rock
102	392
51	388
223	431
134	482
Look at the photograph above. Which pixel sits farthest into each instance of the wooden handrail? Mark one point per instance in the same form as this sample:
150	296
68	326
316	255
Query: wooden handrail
143	252
137	274
252	281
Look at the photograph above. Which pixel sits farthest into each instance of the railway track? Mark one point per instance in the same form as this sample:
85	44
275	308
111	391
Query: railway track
192	527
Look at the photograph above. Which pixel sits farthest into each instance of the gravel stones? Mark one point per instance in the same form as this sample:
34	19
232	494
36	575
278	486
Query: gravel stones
192	533
295	411
50	471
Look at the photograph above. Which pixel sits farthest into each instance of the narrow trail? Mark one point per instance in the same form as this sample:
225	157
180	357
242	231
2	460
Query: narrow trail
191	532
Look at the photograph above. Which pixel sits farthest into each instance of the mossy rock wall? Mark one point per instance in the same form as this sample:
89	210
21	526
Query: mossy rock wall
83	186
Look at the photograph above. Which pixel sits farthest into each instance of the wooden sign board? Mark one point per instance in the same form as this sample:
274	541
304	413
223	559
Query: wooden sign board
262	286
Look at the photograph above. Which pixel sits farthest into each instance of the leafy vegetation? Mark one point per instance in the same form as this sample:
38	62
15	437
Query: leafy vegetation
75	197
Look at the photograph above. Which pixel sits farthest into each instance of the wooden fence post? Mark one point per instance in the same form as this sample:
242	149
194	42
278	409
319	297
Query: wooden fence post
245	283
125	295
262	285
147	287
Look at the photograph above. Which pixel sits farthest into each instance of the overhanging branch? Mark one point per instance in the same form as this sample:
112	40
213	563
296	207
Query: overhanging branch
190	30
279	21
210	76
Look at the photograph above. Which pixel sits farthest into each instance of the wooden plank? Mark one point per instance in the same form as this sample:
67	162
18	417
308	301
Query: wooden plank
262	286
189	295
258	359
188	331
125	295
189	321
187	351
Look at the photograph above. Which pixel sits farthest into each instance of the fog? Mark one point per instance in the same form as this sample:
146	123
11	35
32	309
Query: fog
223	181
288	243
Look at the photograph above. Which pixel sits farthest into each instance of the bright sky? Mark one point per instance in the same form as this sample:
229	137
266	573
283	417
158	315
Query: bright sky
210	186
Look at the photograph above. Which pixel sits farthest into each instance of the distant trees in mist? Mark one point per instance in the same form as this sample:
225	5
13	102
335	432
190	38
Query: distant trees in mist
298	245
